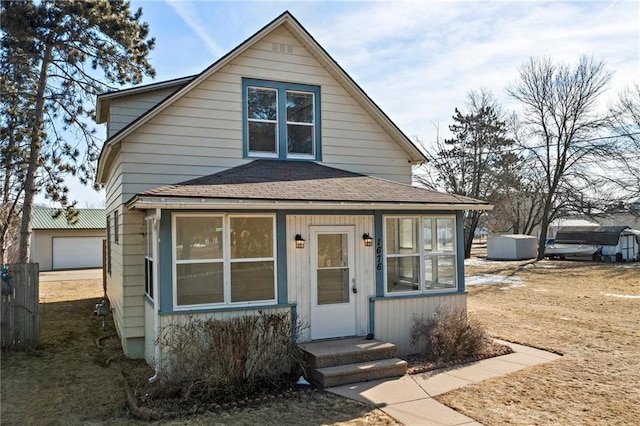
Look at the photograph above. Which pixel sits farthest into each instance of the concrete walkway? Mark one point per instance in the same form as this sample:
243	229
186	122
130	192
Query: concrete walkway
409	399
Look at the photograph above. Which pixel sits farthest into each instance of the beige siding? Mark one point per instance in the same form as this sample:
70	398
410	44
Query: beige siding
125	284
126	109
42	243
299	269
393	317
201	133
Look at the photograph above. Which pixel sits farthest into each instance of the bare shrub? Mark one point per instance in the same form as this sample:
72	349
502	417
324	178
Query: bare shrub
229	359
449	335
420	337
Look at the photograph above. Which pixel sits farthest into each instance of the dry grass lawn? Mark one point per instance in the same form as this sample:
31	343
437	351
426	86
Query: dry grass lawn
590	312
65	382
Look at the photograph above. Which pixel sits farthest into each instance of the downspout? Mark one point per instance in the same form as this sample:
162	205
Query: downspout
156	294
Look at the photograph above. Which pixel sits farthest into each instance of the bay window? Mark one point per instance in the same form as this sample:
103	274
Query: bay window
223	259
420	254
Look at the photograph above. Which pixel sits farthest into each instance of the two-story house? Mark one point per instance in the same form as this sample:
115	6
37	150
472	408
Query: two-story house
271	182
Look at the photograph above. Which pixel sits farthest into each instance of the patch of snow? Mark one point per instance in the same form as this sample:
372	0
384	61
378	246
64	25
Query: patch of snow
540	289
494	279
622	296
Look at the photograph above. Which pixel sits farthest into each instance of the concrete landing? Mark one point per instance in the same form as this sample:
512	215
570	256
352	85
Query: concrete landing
409	399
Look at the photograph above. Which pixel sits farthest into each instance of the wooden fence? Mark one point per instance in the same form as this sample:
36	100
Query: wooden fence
20	327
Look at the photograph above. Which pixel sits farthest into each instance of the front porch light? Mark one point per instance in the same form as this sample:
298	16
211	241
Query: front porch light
368	241
299	241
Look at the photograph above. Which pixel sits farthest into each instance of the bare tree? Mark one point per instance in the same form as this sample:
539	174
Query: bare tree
561	129
473	163
625	127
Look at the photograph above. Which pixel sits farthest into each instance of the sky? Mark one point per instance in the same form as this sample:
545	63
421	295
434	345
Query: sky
416	59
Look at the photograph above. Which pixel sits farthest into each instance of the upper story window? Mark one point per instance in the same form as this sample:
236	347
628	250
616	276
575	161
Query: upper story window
281	120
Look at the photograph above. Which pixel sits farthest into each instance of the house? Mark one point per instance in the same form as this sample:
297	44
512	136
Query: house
616	243
59	244
271	182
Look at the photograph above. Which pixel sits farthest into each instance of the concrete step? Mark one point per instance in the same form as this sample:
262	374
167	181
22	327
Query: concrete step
330	353
358	372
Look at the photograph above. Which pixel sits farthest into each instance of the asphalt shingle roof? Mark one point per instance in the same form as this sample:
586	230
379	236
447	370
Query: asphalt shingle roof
278	180
87	219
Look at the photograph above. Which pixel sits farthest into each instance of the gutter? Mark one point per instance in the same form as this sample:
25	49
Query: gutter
209	203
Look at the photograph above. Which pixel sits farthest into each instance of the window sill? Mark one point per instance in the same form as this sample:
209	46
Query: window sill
227	308
416	295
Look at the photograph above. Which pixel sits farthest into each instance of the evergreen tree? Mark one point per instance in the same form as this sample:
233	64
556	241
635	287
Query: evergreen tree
475	162
69	51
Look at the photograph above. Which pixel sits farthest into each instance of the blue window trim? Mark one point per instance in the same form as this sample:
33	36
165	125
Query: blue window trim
281	87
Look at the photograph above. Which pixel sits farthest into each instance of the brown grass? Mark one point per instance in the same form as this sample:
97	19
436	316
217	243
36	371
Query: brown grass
573	308
65	381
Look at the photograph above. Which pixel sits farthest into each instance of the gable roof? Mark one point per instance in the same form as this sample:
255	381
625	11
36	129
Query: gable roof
298	183
87	219
303	36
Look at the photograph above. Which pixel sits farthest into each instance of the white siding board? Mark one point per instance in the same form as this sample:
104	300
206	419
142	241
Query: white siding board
393	317
299	267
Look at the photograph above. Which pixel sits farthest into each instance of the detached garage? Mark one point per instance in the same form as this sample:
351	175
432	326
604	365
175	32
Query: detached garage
57	244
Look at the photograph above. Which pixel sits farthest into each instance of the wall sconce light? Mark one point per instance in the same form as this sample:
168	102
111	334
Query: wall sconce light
299	241
368	241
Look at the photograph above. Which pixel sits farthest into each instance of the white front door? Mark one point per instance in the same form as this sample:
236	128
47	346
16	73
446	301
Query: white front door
333	307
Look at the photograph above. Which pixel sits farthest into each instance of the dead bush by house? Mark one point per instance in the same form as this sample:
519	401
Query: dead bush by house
224	360
450	334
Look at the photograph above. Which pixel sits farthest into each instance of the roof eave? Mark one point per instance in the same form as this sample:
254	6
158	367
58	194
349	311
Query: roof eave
155	202
104	99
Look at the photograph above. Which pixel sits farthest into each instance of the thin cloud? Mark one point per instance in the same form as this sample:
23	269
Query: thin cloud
190	17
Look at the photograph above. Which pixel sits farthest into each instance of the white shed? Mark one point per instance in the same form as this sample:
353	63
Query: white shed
512	247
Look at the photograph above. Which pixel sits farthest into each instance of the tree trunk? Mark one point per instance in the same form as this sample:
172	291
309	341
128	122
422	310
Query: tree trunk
35	150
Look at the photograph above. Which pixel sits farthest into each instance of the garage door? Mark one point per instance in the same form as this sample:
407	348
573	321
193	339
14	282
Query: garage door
77	252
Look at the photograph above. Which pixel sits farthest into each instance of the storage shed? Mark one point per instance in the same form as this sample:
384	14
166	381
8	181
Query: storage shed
512	247
58	244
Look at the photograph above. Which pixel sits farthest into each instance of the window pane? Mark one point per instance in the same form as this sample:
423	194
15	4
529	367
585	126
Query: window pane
251	237
299	107
252	281
445	234
262	103
333	286
199	283
332	250
403	273
402	236
427	235
198	238
299	139
440	272
262	136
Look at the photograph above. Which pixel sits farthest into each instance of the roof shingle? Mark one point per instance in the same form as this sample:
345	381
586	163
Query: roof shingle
278	180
